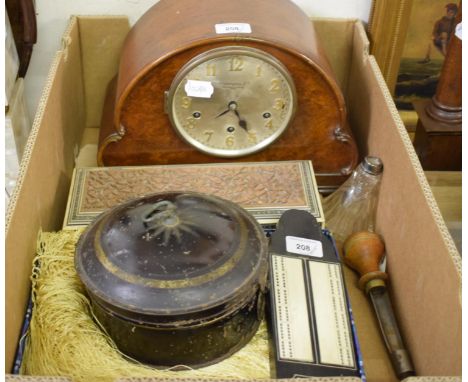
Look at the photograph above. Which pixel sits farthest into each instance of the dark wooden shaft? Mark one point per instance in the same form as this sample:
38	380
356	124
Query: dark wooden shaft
446	103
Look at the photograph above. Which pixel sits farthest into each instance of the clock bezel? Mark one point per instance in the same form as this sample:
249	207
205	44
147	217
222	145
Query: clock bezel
221	52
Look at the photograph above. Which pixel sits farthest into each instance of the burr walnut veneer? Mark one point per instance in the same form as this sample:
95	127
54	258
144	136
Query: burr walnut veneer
136	129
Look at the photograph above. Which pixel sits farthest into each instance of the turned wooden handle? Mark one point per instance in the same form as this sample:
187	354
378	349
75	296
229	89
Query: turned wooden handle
363	252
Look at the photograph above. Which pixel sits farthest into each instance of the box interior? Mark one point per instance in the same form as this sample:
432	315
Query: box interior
421	255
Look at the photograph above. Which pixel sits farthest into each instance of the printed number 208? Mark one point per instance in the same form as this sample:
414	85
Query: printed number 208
302	247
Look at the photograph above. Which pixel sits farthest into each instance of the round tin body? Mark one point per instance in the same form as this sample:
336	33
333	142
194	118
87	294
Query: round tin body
175	278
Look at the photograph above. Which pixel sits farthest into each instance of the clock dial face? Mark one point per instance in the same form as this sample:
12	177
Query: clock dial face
232	101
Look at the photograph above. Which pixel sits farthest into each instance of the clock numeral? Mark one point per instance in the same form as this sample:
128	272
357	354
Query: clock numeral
230	141
186	102
252	137
279	104
208	134
269	124
190	124
211	70
275	86
258	73
236	64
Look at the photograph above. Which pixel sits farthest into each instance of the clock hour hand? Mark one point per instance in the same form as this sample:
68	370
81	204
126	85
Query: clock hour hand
242	122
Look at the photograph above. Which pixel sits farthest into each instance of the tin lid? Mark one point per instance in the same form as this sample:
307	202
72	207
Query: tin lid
372	165
176	256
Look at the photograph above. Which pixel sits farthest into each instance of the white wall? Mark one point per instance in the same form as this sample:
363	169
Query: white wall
52	18
350	9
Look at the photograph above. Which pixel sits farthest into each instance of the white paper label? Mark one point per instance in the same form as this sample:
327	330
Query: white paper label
233	28
199	89
458	30
301	246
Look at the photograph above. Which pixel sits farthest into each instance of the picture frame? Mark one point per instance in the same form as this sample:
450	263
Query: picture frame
409	40
387	28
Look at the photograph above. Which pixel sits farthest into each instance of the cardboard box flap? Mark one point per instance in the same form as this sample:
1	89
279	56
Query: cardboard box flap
433	379
25	378
313	379
41	192
339	51
101	44
21	378
410	222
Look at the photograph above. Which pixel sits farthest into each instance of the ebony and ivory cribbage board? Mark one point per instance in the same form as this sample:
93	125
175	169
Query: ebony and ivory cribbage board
265	189
310	321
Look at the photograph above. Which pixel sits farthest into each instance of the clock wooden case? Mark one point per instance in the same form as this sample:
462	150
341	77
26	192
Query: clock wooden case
284	103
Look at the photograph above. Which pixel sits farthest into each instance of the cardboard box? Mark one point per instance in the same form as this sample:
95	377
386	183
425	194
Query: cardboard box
423	263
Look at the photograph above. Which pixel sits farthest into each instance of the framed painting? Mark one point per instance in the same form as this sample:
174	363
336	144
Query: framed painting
409	40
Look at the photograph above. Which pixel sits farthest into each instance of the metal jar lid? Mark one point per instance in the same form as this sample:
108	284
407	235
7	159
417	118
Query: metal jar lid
172	257
372	165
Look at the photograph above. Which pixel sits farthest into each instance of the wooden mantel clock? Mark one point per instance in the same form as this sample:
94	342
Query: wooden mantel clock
221	80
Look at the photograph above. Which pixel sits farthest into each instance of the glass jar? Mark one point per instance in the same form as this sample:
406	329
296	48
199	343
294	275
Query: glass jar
352	207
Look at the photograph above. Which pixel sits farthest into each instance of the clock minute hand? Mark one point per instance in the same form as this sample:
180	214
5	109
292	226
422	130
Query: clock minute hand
231	106
222	113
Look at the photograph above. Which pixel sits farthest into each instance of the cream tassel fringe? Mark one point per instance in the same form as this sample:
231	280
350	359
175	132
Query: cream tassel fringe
63	339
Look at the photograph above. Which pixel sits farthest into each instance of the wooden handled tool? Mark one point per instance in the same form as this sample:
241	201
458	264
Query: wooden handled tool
363	252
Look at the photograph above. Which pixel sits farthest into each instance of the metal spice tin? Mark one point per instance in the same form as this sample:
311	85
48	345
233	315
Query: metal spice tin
175	278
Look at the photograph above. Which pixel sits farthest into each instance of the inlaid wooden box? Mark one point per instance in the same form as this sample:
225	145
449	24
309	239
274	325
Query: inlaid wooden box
265	189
